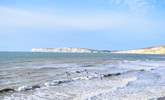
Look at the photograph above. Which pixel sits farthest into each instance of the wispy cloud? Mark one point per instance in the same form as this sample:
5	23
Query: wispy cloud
136	5
16	18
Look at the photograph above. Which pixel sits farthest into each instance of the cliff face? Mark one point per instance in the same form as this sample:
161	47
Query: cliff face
151	50
64	50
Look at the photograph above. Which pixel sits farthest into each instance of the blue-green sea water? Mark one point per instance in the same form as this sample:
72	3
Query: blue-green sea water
85	76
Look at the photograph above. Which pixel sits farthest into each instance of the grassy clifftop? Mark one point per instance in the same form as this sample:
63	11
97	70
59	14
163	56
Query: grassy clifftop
150	50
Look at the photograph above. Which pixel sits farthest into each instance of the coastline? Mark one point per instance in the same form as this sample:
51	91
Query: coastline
150	50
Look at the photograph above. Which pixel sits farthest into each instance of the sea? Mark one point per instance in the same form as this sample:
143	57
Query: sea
81	76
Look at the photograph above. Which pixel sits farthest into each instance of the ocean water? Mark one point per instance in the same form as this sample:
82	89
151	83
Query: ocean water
65	76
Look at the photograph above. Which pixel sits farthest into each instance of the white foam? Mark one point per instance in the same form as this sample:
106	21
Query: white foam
142	85
23	88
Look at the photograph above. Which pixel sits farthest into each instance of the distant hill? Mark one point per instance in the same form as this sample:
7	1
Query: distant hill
149	50
69	50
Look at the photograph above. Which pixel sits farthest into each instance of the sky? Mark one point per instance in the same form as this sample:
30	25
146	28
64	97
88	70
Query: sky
96	24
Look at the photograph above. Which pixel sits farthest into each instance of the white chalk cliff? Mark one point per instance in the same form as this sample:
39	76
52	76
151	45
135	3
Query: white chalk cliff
65	50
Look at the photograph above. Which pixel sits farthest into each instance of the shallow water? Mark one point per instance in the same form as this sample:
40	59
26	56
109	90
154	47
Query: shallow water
55	76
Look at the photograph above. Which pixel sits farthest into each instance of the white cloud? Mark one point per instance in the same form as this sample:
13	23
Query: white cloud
16	18
135	5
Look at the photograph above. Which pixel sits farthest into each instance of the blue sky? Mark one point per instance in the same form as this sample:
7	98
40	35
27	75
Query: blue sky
98	24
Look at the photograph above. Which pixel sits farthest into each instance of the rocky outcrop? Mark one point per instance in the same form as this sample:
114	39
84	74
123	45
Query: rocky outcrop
150	50
65	50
